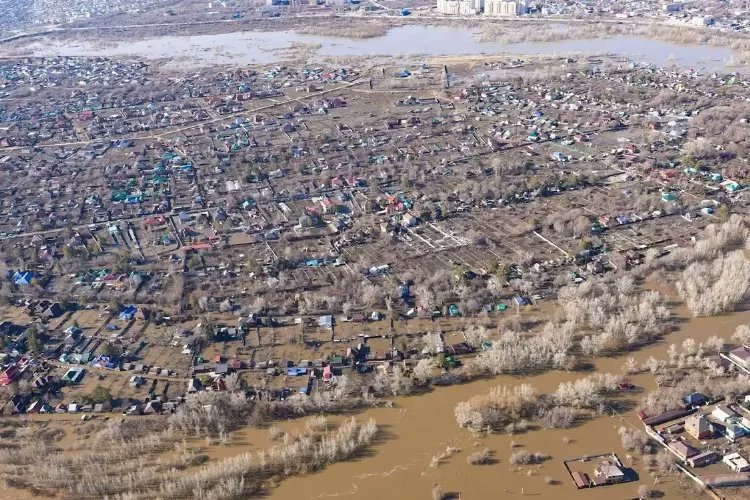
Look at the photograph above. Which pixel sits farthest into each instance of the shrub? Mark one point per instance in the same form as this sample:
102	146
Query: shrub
317	423
633	440
275	432
483	457
499	408
523	457
557	417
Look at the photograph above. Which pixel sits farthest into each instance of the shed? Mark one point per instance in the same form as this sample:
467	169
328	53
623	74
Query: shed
326	321
73	375
684	450
581	479
128	313
703	459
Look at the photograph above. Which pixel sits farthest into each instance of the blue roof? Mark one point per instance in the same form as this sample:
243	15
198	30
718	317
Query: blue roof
23	277
695	397
128	312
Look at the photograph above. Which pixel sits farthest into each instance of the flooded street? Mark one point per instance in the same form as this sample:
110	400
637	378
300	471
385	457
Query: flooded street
419	427
242	48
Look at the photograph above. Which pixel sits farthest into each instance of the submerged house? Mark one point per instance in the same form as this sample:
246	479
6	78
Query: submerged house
608	472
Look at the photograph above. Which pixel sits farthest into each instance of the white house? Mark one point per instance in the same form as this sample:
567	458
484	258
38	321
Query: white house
723	413
736	462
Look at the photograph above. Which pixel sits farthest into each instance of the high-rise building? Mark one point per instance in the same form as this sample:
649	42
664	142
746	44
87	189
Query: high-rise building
460	7
505	8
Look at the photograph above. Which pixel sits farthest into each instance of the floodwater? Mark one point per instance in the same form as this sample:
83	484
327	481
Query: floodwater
418	427
412	40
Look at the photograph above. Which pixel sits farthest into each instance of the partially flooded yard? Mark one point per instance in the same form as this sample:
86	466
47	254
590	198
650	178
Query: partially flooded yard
417	428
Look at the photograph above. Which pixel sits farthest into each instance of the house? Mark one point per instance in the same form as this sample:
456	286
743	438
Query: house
703	459
156	221
336	361
683	450
675	428
53	311
694	399
73	375
194	385
736	462
8	375
39	407
128	313
698	426
723	413
734	431
16	404
23	278
741	356
581	479
152	407
609	471
409	220
202	368
136	381
326	321
42	381
133	410
521	301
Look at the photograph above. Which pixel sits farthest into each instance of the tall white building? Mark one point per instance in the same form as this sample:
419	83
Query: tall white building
505	8
460	7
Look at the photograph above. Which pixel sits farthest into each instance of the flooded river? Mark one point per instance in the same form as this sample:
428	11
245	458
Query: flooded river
419	427
242	48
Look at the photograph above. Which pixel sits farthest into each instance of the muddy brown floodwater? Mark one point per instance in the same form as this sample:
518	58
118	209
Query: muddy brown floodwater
418	427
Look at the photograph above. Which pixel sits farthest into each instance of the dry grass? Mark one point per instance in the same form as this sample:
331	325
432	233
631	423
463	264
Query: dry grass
369	30
437	460
127	462
530	33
